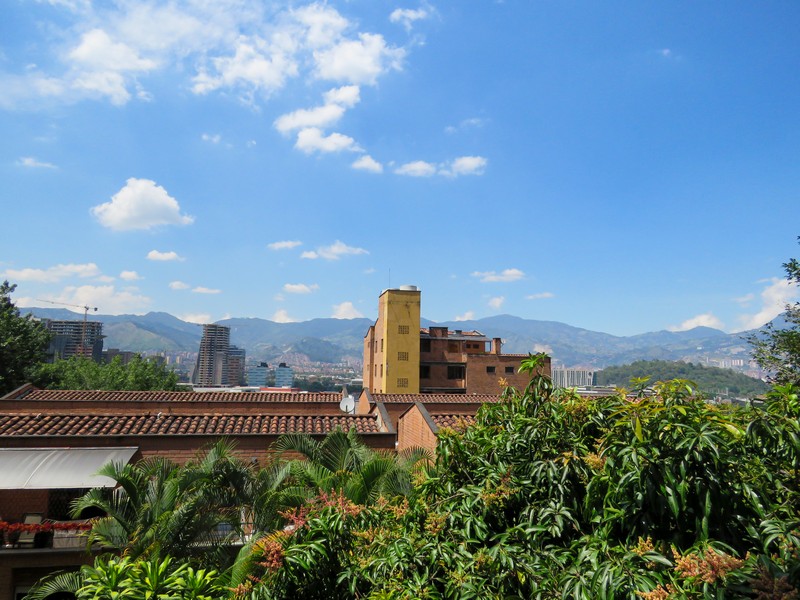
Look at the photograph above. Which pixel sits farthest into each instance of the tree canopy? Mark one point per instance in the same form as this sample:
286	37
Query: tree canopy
23	342
777	350
709	380
80	373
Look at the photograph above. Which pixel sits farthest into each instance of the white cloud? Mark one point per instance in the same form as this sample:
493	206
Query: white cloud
299	288
347	96
504	276
129	276
774	298
212	138
496	302
141	204
204	290
256	65
284	245
337	101
282	316
98	52
367	163
321	116
407	16
745	300
323	25
52	274
358	61
311	139
33	163
106	298
345	310
333	252
465	165
540	296
196	318
163	256
178	285
470	123
418	168
103	67
467	316
704	320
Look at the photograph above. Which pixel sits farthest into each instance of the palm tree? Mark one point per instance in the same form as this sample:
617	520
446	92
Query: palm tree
342	462
159	508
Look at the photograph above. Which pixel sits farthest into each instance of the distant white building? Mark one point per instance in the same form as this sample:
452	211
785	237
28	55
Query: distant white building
568	378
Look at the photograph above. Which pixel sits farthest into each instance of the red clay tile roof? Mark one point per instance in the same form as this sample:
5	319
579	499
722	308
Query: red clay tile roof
40	424
453	421
436	398
158	396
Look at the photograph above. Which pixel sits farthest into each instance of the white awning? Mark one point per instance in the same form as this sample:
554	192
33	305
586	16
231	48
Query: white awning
58	468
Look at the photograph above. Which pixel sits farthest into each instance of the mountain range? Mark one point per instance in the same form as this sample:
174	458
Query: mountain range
335	340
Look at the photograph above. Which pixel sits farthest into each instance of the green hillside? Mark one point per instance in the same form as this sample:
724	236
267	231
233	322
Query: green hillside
710	380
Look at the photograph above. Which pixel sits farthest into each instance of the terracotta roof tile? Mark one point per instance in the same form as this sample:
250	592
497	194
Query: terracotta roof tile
436	398
457	422
159	396
12	425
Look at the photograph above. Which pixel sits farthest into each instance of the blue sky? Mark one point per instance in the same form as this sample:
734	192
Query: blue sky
624	167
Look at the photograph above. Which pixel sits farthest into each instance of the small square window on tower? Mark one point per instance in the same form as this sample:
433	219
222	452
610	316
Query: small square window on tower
402	356
402	382
402	329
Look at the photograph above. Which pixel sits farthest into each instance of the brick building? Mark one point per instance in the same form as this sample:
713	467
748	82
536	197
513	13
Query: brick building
402	358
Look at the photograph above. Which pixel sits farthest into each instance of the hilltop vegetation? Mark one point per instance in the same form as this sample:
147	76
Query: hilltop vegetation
709	380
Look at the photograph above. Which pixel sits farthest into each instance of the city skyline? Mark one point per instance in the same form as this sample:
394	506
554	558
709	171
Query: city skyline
622	169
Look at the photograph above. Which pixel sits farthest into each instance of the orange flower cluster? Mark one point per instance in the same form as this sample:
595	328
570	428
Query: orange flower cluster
708	568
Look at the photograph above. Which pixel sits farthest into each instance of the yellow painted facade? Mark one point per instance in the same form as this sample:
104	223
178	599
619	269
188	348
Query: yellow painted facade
398	331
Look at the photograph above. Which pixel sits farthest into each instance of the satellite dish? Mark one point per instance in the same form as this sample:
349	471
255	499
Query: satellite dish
348	405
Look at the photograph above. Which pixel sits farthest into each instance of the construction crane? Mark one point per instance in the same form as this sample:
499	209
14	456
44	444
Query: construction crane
86	310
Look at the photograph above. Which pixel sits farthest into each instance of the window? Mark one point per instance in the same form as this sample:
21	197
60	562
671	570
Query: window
510	370
424	345
381	370
402	329
402	382
381	344
402	356
455	371
490	369
424	372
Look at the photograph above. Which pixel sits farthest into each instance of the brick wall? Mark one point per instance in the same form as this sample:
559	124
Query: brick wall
14	504
414	430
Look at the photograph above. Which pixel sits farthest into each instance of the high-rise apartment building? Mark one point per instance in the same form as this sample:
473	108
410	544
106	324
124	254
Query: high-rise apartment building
75	338
212	359
236	358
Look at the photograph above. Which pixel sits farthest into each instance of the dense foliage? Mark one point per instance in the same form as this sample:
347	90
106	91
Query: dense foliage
709	380
548	495
23	342
79	373
777	350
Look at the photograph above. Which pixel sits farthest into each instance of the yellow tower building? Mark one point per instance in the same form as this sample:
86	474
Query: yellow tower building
391	346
